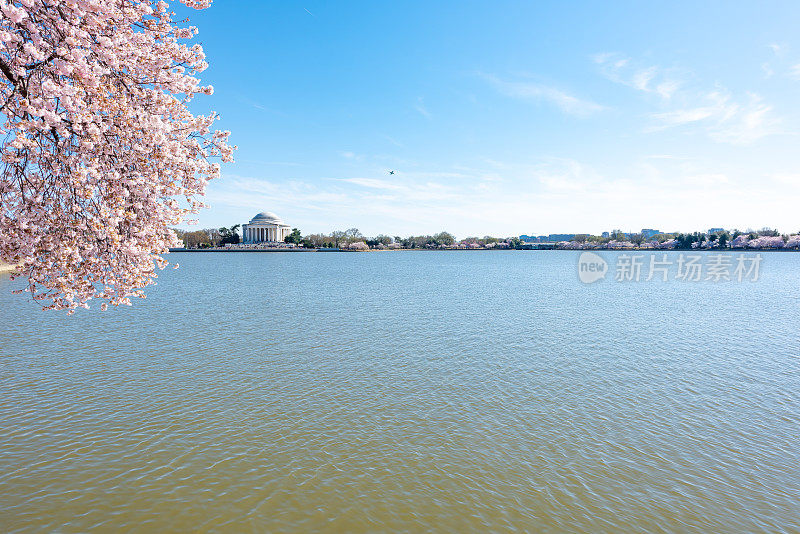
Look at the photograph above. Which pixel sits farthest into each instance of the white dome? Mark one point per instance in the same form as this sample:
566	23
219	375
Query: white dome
267	217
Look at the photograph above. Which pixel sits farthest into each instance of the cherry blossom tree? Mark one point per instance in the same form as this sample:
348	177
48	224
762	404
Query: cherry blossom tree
793	241
358	245
739	241
100	153
766	242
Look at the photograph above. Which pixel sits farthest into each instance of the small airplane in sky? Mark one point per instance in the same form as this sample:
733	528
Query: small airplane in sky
391	172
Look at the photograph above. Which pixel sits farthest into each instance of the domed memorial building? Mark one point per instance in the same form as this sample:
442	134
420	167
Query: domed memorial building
264	228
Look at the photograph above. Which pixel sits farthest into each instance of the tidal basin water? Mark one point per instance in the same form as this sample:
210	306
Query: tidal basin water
412	391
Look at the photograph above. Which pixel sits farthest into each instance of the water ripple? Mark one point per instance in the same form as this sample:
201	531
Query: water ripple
414	391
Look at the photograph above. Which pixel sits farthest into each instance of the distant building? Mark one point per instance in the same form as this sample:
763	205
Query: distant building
265	227
716	230
649	232
606	235
560	237
542	238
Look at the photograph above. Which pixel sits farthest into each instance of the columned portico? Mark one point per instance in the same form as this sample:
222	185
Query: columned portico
266	227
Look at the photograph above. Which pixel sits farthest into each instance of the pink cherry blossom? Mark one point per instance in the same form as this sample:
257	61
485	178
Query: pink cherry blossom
766	242
100	154
739	241
359	245
793	241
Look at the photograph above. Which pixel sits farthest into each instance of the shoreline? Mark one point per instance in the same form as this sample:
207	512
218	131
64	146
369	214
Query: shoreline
736	250
8	268
243	250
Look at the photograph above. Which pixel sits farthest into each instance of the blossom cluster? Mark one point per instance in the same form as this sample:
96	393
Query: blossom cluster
100	153
740	242
766	242
617	245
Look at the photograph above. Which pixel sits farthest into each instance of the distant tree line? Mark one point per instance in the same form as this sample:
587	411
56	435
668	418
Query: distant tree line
209	237
352	238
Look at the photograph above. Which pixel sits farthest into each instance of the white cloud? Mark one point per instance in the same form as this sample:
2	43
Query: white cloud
724	119
709	179
682	116
716	112
542	196
373	183
647	79
642	78
421	109
667	88
525	90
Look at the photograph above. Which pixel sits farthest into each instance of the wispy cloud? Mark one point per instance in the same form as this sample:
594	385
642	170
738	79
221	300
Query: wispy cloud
646	78
660	156
421	109
373	183
716	112
533	91
724	119
776	62
541	196
260	107
394	141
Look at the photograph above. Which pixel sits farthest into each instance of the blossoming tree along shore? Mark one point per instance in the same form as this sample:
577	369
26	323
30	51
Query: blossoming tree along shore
100	154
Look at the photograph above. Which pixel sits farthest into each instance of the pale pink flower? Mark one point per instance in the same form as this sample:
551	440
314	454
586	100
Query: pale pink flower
95	98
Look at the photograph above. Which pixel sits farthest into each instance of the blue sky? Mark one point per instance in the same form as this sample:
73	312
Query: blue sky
504	118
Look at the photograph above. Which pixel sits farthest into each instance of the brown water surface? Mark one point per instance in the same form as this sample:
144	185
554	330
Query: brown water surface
452	392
